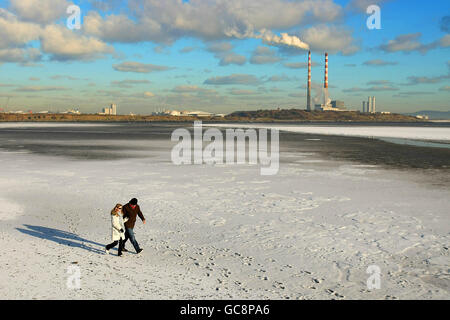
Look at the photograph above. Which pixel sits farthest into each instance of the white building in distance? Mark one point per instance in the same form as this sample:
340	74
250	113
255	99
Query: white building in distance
335	105
186	113
112	110
371	106
72	111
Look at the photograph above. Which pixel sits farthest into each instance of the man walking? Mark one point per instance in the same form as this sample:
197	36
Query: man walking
131	210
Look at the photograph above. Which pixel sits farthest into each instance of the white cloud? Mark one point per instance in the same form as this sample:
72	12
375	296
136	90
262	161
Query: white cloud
186	49
445	41
182	89
128	83
285	39
20	55
415	80
297	95
406	43
40	11
63	45
241	92
40	88
219	47
264	55
379	82
56	40
66	77
332	39
131	66
379	63
161	22
106	5
223	52
242	79
362	5
411	42
231	58
404	94
372	89
325	38
166	21
120	28
279	78
300	65
15	33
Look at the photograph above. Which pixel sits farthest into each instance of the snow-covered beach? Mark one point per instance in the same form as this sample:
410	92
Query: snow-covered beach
380	131
214	232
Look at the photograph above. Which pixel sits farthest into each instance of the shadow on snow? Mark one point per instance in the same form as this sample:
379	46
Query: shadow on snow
61	237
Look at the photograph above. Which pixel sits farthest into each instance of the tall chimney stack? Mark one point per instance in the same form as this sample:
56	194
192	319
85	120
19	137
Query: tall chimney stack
326	71
374	108
308	99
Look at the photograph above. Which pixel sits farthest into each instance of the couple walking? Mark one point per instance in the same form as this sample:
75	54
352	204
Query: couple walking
123	219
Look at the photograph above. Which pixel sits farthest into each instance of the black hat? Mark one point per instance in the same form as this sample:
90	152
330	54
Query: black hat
134	201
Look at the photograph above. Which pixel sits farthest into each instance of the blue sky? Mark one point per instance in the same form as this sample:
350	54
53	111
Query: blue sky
221	56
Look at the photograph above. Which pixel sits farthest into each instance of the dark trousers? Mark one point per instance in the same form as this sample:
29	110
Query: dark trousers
112	245
129	234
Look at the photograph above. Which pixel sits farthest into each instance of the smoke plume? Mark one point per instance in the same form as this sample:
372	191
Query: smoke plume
269	38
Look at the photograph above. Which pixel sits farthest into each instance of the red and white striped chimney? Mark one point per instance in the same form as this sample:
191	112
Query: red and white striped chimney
309	69
308	102
326	71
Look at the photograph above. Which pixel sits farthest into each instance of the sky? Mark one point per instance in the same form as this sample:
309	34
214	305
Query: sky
222	55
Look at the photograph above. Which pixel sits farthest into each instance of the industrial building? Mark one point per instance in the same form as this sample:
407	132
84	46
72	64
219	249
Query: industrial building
112	110
72	111
335	105
196	114
369	106
327	104
187	113
338	104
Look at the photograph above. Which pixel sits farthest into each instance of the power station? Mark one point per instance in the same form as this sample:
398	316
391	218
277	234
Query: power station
324	101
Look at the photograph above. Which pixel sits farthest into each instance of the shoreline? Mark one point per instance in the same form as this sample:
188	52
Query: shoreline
190	120
282	116
212	121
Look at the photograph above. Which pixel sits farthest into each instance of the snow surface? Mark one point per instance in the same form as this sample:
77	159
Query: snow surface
216	232
9	210
415	133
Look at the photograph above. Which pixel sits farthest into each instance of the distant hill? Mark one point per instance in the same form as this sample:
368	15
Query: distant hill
243	116
302	115
432	114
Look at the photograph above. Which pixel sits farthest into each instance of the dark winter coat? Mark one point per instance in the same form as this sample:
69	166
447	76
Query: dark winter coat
131	214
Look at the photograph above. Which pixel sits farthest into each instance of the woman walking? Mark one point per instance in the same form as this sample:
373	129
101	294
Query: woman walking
118	229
